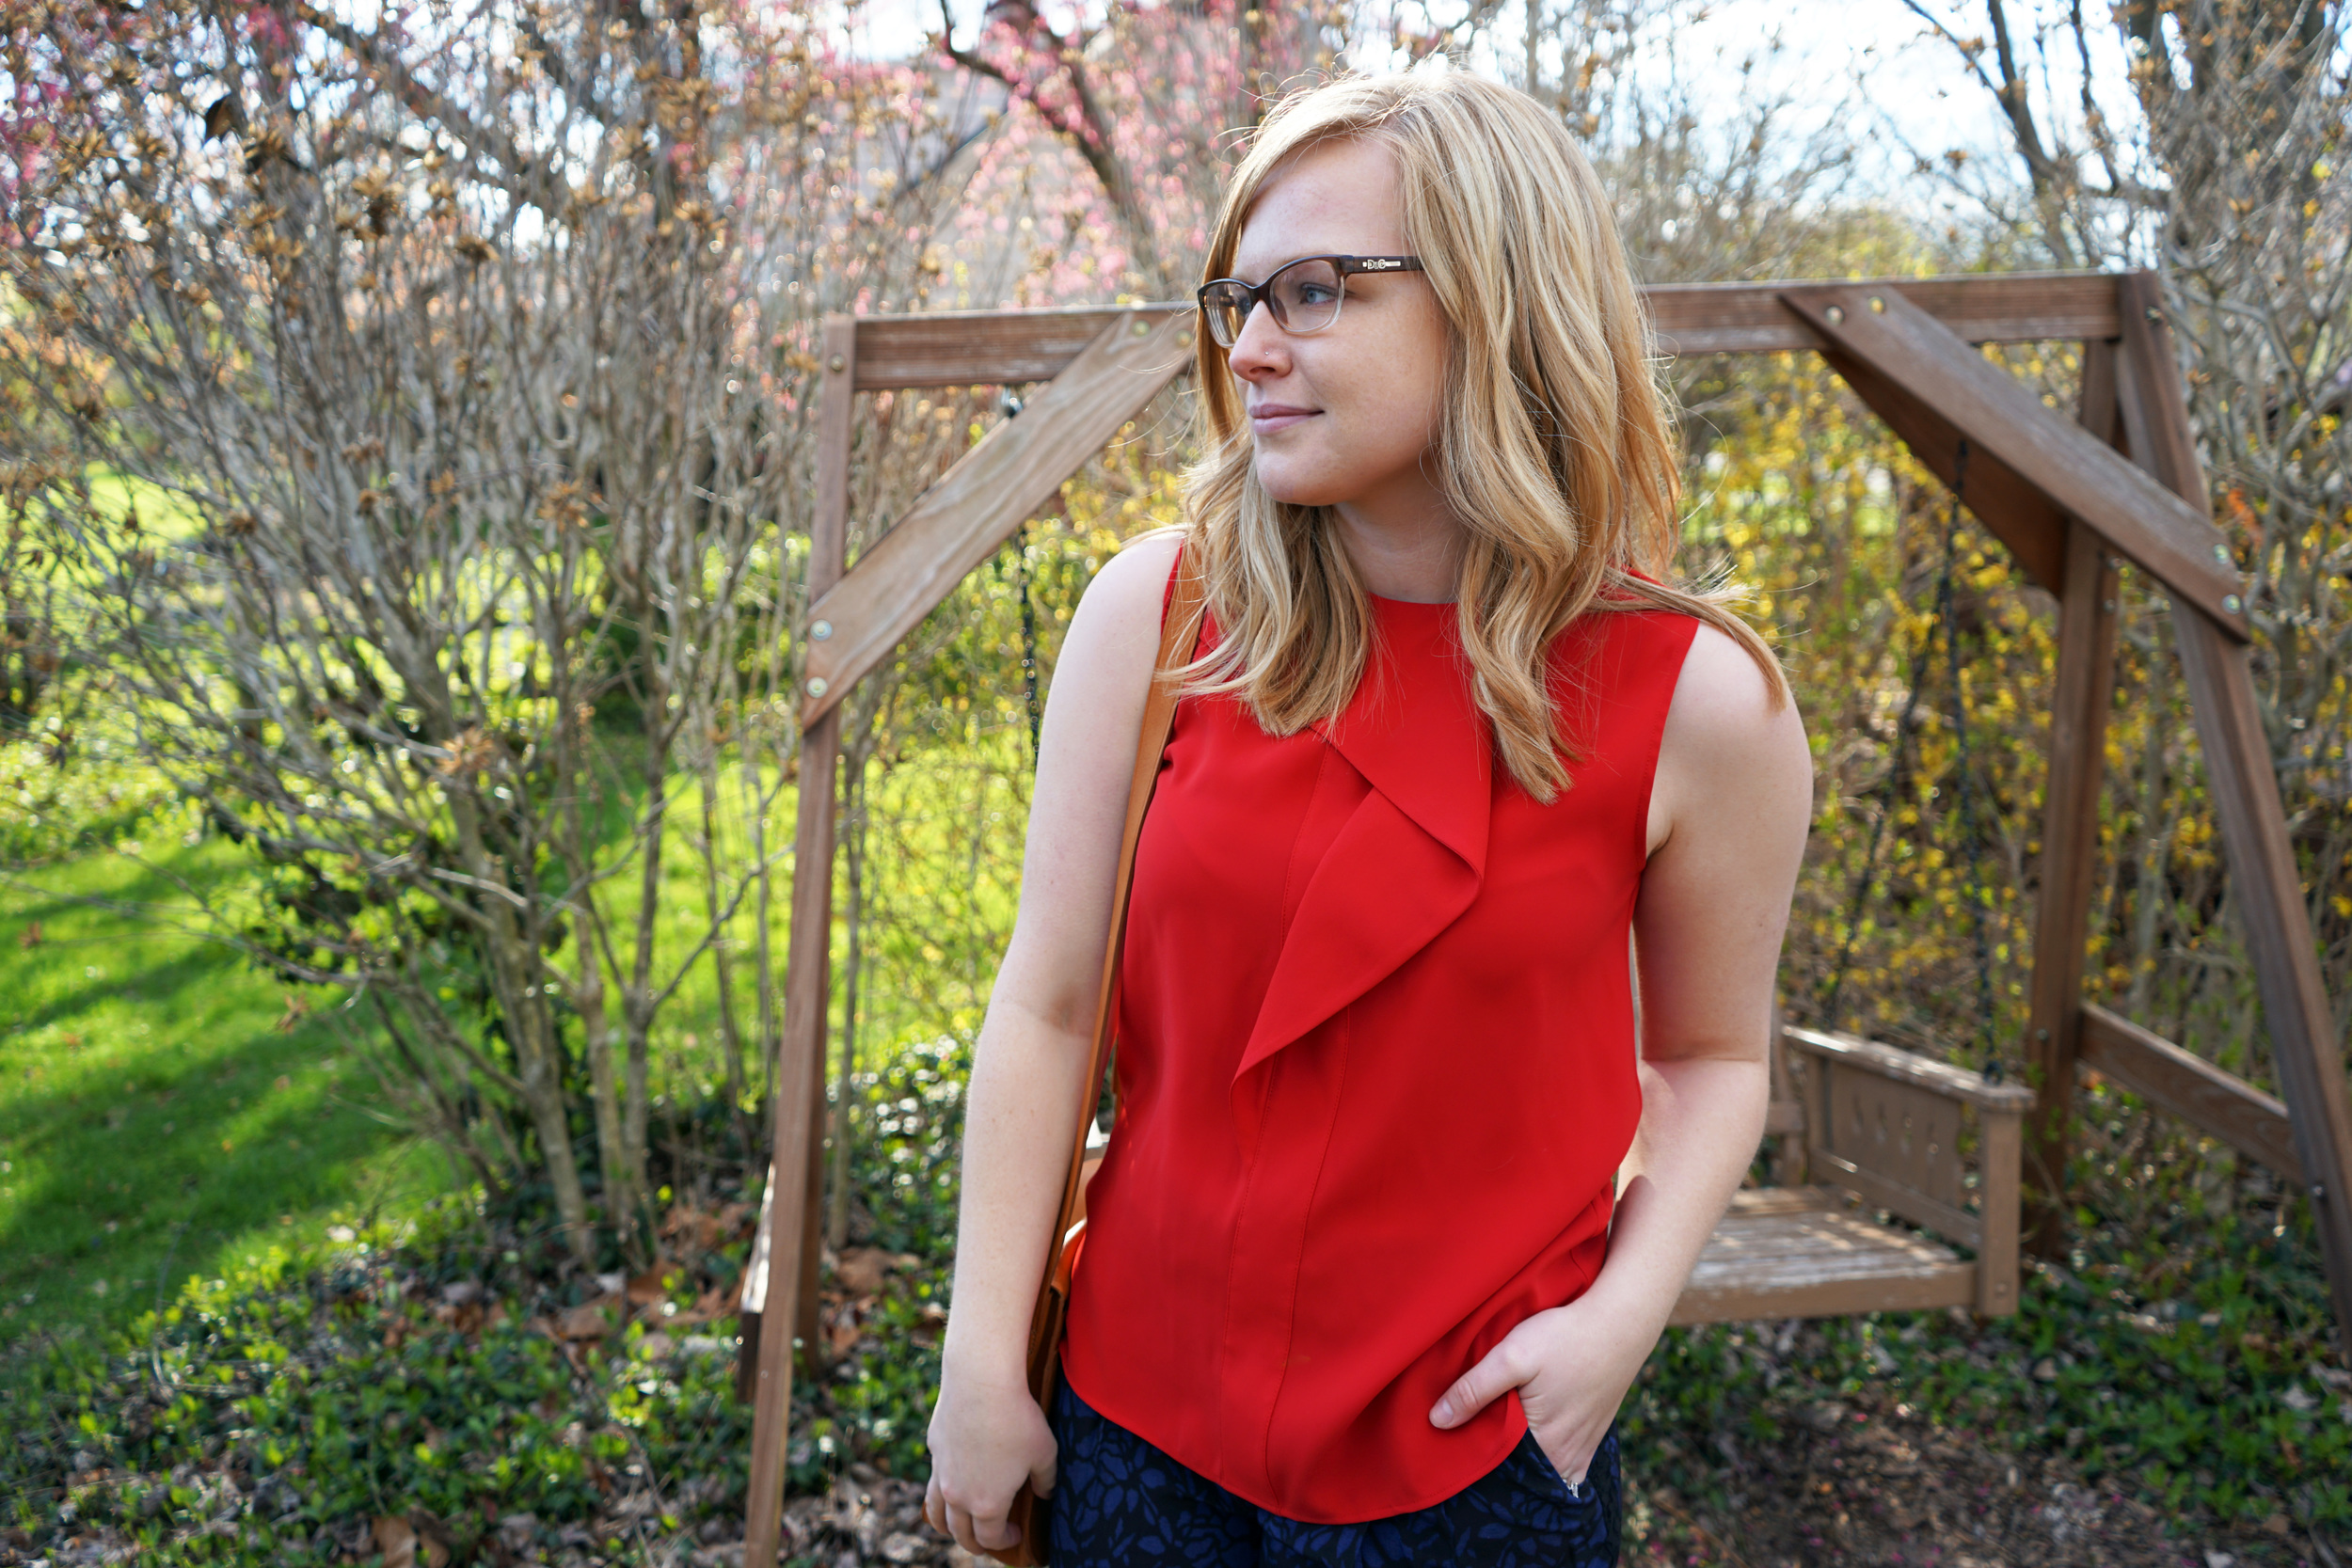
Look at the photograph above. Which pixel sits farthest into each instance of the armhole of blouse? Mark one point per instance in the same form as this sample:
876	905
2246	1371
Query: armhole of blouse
1168	589
1688	628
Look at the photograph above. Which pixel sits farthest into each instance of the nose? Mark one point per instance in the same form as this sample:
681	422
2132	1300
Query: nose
1262	352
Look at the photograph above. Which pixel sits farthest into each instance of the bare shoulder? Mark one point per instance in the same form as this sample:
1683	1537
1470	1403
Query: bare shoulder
1134	581
1733	746
1105	668
1723	696
1115	635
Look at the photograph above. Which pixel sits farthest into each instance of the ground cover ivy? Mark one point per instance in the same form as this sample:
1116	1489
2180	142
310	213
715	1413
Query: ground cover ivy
2184	1352
280	1412
456	1374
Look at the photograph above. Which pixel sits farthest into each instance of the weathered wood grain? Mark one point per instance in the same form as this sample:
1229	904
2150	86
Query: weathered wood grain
2009	308
2081	695
800	1066
957	348
1882	1192
2267	885
1903	1067
953	526
1904	1132
1772	1260
2011	507
2207	1097
2138	517
1998	1137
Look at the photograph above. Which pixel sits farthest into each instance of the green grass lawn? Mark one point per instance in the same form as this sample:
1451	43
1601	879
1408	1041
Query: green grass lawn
161	1114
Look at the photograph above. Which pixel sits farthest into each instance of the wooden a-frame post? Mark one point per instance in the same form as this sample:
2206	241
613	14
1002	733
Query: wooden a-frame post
1119	363
2069	498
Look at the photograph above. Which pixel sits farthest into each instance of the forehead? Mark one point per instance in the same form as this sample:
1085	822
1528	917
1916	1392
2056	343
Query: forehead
1343	197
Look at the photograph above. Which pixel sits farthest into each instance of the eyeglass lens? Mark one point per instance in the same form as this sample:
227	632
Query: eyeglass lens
1304	297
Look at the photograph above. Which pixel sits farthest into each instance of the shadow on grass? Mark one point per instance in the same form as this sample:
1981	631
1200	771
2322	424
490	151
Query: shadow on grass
163	1111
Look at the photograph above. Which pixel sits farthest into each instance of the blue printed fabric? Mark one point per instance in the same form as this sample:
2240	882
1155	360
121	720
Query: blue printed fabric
1118	1502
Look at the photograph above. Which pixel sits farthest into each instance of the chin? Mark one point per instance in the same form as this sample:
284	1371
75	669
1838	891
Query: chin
1284	482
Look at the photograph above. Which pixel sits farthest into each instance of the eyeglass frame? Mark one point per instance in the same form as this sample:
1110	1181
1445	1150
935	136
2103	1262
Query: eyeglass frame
1263	294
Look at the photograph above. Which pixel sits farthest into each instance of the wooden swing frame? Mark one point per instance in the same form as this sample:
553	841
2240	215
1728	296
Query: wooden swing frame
2070	499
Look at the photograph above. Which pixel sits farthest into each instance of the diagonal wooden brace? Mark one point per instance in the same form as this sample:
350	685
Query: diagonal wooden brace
2140	519
992	490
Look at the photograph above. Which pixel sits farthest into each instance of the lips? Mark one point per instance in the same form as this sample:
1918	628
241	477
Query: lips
1268	418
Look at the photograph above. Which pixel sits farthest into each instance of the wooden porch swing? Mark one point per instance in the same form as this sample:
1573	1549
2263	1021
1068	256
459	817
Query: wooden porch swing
1877	1130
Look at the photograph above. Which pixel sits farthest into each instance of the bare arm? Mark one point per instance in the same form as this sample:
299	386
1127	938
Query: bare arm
987	1436
1729	813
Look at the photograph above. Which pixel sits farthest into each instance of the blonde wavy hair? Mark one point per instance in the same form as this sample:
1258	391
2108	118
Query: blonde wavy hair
1556	451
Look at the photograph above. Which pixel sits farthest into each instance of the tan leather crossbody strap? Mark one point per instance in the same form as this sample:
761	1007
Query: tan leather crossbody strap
1180	633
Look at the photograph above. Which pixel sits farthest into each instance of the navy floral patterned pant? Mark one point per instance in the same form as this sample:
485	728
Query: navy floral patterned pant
1119	1501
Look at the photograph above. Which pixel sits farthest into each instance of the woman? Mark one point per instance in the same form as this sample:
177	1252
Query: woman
1395	1208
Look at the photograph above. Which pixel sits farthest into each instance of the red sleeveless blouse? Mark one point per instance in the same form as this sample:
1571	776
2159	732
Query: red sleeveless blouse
1375	1069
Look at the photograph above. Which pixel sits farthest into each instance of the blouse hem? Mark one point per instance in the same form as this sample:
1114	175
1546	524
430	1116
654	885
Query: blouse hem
1514	1428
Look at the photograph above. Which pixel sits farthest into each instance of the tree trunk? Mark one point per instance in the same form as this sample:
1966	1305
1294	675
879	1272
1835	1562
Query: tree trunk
723	947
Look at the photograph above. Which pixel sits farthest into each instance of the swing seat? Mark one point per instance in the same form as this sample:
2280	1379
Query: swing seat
1881	1134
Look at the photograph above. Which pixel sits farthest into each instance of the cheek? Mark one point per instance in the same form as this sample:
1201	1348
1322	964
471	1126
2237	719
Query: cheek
1400	378
1399	403
1424	363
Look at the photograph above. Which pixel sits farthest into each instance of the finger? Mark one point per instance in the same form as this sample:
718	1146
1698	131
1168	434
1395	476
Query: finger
995	1532
960	1526
1579	1465
1474	1390
1041	1477
934	1505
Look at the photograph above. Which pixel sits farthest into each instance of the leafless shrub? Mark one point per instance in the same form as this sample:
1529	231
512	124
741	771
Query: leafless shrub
461	371
2214	157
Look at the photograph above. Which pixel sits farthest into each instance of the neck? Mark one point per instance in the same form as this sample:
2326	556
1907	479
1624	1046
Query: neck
1410	551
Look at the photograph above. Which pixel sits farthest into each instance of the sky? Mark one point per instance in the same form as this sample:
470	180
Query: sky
1914	88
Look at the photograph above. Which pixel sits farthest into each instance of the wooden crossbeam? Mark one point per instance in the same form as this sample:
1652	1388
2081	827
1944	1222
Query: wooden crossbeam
2080	475
2005	307
2192	1088
954	525
958	348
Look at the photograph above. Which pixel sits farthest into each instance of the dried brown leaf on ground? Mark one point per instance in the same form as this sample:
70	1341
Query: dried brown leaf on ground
401	1544
655	1285
861	1269
591	1319
1859	1486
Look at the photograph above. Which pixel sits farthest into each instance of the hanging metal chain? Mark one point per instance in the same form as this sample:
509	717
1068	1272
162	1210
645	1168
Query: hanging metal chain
1976	892
1899	771
1028	641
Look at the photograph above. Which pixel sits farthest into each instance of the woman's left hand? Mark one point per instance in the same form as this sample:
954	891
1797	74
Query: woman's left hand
1571	1365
